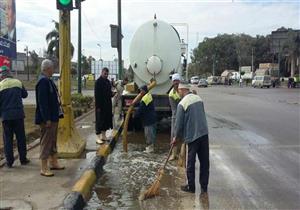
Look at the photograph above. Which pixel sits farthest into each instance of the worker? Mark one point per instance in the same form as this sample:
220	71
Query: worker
174	100
117	102
146	111
191	126
12	113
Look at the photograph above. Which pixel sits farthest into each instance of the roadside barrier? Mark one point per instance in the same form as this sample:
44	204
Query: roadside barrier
81	191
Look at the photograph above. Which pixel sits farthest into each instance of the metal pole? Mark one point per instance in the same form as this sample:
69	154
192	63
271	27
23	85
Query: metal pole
252	65
27	63
79	48
120	40
214	65
100	51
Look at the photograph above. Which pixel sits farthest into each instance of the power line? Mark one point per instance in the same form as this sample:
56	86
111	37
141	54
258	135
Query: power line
90	26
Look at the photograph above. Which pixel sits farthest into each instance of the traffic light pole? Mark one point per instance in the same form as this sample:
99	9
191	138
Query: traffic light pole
120	40
79	48
69	142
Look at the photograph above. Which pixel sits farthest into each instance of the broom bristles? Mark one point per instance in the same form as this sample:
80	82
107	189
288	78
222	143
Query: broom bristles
153	190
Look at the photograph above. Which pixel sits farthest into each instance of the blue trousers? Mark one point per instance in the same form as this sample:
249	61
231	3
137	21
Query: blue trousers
11	127
198	147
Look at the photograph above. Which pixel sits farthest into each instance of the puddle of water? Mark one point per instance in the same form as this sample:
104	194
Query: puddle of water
126	175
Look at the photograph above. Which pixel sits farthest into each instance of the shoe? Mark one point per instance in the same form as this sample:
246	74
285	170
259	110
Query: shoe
149	149
9	165
187	188
25	162
47	173
57	168
99	141
203	190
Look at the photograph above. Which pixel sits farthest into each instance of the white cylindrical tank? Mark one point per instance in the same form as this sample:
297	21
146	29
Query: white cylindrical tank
154	52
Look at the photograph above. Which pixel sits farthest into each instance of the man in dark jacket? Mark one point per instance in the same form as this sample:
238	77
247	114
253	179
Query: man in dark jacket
103	95
48	112
146	111
12	113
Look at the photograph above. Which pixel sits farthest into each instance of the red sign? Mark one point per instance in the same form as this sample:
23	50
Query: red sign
4	61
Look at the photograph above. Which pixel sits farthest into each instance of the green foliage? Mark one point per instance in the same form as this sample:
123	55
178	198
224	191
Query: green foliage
229	51
52	39
80	101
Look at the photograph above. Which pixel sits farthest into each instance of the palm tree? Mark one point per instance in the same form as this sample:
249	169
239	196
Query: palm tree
291	49
52	39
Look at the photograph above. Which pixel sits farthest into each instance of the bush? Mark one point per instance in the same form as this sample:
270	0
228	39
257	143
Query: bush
80	101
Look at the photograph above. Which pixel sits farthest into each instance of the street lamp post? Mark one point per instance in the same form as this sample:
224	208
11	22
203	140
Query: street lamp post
27	66
99	45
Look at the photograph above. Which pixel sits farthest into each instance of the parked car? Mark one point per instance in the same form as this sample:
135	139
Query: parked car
213	80
262	81
202	83
195	80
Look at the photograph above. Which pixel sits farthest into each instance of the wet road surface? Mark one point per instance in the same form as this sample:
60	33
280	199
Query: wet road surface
254	158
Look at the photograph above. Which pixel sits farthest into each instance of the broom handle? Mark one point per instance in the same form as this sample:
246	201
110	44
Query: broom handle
170	151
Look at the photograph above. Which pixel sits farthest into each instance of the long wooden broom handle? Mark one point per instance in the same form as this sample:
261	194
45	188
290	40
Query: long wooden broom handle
170	151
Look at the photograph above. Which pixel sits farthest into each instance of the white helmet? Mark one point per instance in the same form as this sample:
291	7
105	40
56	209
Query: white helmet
176	76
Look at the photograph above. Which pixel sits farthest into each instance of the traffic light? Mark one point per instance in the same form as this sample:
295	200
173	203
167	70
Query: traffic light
64	4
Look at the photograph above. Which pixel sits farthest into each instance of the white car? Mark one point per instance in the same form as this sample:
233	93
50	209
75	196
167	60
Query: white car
195	80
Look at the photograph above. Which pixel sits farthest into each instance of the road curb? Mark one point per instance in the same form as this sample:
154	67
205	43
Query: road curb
82	188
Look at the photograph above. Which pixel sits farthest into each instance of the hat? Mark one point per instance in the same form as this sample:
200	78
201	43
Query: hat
184	86
176	77
144	88
4	71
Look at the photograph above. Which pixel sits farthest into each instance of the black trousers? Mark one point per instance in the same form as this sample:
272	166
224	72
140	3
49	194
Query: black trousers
11	127
198	147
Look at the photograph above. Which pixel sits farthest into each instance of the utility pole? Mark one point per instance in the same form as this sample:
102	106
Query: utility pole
78	5
252	64
99	45
214	57
69	142
27	65
120	36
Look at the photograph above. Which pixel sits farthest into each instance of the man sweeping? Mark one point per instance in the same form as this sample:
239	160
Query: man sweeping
174	99
191	126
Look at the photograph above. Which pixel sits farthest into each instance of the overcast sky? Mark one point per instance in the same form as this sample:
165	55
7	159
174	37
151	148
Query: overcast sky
204	18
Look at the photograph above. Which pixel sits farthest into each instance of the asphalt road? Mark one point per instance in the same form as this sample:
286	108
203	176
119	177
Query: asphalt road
254	148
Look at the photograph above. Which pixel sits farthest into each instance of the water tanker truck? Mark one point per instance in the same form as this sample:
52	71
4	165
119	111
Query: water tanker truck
155	52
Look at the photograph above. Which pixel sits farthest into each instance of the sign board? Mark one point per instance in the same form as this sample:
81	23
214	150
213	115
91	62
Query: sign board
113	67
4	61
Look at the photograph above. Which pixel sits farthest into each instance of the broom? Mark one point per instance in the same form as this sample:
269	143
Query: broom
154	189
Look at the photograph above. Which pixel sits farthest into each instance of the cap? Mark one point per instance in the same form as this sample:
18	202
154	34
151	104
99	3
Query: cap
176	77
4	71
184	86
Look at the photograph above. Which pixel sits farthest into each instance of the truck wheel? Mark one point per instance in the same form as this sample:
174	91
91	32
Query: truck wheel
268	86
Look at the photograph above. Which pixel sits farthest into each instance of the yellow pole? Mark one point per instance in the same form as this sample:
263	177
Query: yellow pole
69	142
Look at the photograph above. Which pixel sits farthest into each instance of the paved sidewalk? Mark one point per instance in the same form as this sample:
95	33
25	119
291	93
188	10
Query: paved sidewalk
24	186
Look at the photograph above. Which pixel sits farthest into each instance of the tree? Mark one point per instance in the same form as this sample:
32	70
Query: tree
52	39
229	51
291	48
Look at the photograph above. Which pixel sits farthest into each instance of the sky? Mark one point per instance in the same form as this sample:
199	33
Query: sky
204	19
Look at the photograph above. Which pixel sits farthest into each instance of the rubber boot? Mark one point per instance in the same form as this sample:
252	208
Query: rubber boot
103	133
174	153
99	139
44	169
53	162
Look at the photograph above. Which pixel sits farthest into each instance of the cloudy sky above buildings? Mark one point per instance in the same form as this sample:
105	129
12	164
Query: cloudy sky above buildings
204	18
